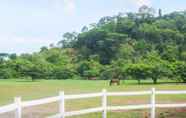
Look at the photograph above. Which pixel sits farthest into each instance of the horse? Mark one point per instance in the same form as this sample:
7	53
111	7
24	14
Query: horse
114	81
92	78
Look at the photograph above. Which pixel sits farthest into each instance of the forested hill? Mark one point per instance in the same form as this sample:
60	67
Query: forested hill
127	46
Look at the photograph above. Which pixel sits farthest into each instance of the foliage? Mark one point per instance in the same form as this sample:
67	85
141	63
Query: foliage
128	45
89	69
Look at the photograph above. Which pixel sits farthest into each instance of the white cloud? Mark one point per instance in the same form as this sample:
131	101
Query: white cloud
142	2
69	6
66	6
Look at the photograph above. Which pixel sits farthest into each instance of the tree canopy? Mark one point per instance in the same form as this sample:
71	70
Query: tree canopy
134	45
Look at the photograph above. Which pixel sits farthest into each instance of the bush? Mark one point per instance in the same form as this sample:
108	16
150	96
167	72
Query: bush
112	72
106	74
89	69
61	73
6	73
179	69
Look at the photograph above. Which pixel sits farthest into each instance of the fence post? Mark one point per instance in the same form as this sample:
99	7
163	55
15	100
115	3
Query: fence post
104	103
153	103
62	104
18	112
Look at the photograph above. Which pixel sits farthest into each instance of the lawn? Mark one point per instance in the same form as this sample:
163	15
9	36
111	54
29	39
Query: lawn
43	88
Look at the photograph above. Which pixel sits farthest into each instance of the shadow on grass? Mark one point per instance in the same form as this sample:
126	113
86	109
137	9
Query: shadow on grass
151	83
126	82
31	81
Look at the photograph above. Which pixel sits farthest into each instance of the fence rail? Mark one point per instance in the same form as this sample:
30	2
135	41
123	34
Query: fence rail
18	105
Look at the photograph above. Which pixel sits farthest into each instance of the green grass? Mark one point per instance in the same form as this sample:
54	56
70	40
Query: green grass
43	88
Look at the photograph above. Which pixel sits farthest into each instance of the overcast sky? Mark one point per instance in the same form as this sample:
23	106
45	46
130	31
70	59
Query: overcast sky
26	25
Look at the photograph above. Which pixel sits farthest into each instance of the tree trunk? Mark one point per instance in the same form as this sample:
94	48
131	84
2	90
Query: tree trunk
184	81
139	82
155	80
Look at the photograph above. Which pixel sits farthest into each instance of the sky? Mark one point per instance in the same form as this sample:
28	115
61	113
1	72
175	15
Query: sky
27	25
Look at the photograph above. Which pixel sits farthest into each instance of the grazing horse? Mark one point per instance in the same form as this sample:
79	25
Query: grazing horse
92	78
114	81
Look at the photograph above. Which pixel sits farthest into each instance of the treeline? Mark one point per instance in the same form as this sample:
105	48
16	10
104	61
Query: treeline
126	46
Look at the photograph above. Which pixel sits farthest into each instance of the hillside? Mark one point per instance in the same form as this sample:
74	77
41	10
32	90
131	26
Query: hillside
126	46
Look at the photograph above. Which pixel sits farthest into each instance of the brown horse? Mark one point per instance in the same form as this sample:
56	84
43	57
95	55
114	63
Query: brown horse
114	81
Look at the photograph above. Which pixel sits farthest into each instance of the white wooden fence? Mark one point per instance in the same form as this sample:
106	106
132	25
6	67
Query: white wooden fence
18	105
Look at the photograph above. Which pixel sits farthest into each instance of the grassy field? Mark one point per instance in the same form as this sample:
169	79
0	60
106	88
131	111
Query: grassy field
43	88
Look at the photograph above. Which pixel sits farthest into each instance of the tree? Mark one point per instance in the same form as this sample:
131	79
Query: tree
125	25
68	40
13	56
89	69
126	51
139	71
99	42
179	69
160	13
158	67
170	52
3	56
128	45
62	73
105	20
43	49
6	72
84	29
146	12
